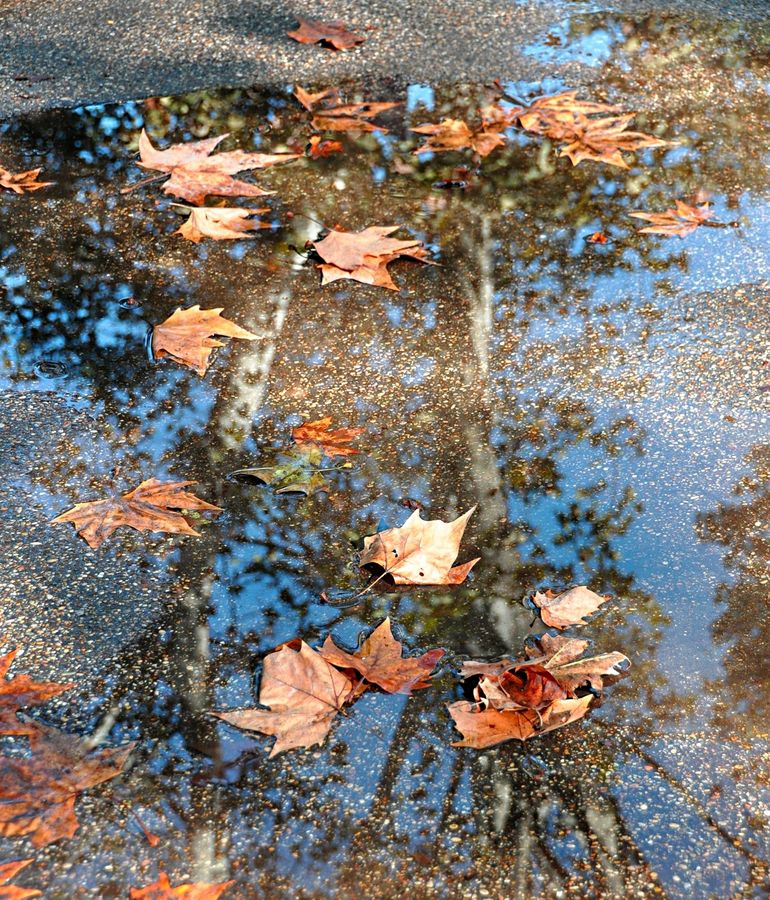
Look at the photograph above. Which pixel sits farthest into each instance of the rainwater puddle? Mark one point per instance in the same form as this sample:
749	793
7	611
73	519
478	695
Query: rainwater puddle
606	407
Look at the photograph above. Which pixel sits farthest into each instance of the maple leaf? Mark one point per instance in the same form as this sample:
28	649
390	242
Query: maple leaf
363	256
153	506
455	134
333	442
20	182
8	871
570	121
304	693
38	793
680	221
19	692
568	608
296	472
331	114
221	223
483	728
318	148
380	662
187	336
420	551
196	174
523	686
561	656
162	890
334	34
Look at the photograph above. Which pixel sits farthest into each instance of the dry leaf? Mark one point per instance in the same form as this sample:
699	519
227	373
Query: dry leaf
162	890
153	506
196	174
568	608
363	256
380	662
318	148
562	657
331	114
187	336
334	34
680	221
523	686
304	693
8	871
420	551
333	442
221	223
20	182
20	692
37	794
598	237
455	134
483	728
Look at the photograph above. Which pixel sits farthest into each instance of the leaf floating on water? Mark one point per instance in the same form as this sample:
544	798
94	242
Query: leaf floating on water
380	662
37	794
22	182
455	134
332	441
420	551
162	890
153	506
221	223
334	35
331	114
677	222
598	237
568	608
20	692
318	148
187	336
8	891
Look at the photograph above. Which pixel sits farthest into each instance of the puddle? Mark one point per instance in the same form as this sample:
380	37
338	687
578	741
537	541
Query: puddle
606	407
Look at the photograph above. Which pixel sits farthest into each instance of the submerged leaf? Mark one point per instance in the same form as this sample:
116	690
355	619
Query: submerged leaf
568	608
332	441
162	890
8	871
19	692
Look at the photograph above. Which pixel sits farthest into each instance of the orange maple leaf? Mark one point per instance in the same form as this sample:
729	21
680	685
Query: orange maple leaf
334	34
679	221
455	134
330	114
162	890
221	223
20	182
8	871
19	692
333	441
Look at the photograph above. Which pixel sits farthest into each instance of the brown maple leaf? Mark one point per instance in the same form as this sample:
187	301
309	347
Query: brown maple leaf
331	114
523	686
334	35
38	793
332	441
562	657
8	871
455	134
380	662
318	148
162	890
153	506
573	123
363	256
680	221
187	336
19	182
304	693
568	608
420	551
194	173
221	223
483	728
20	692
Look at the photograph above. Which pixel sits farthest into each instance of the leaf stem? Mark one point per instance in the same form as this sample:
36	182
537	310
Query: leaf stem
151	179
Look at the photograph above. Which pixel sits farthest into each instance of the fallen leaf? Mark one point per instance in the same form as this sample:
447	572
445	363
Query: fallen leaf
318	148
331	114
568	608
333	442
523	686
483	728
679	221
363	256
380	662
8	871
334	34
572	123
20	692
37	793
304	693
196	174
150	507
221	224
293	472
455	134
598	237
420	551
20	182
187	336
162	890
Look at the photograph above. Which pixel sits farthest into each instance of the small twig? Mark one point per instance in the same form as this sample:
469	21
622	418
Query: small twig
140	184
734	224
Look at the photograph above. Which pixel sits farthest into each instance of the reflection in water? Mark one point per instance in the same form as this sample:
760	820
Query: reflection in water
529	374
